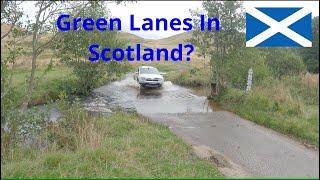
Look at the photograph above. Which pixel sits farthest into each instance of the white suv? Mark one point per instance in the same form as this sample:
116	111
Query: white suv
148	76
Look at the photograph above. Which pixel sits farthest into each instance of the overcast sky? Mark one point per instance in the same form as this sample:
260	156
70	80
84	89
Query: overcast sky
165	9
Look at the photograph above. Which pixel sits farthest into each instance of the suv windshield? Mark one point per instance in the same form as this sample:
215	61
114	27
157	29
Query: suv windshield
149	71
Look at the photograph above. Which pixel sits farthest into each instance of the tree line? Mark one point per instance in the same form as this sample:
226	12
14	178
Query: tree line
230	59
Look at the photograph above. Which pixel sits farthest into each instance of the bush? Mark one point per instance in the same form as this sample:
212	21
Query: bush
73	51
236	68
310	55
232	95
88	75
285	62
22	128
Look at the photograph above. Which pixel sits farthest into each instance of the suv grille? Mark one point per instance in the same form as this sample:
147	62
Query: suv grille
155	79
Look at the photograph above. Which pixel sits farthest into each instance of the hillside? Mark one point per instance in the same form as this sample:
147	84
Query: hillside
176	39
168	42
131	38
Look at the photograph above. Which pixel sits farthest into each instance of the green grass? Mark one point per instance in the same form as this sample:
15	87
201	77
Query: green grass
57	72
121	145
280	106
47	86
190	77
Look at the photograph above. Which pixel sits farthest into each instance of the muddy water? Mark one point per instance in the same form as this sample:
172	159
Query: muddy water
126	94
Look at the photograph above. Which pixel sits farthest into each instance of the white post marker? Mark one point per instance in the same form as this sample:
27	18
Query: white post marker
249	82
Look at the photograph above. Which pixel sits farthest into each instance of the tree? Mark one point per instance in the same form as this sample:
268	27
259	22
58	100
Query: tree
218	45
12	49
311	55
10	15
45	16
73	50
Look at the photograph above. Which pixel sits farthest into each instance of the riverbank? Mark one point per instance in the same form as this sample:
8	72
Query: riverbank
121	145
88	145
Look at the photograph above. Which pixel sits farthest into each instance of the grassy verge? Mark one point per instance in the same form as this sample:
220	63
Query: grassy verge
190	77
121	145
289	105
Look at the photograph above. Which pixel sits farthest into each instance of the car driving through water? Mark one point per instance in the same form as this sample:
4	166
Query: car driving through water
148	76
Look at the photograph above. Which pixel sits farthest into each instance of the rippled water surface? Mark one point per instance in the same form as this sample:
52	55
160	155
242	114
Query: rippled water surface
127	94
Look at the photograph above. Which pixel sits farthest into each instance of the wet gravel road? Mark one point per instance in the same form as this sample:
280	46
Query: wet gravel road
258	151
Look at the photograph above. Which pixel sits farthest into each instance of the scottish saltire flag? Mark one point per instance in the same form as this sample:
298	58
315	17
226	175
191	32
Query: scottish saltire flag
278	26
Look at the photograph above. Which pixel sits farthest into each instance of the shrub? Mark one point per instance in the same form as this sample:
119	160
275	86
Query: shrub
73	51
232	95
236	68
22	128
285	62
88	75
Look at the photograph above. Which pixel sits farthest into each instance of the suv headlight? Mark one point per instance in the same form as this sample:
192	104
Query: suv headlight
142	78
